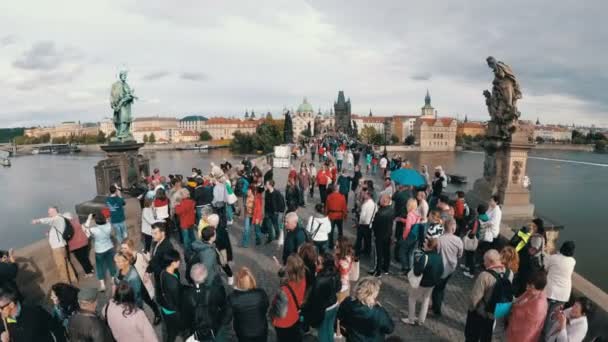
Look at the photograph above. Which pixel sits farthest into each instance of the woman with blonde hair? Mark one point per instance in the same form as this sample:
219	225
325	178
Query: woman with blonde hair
285	310
248	306
409	238
363	318
510	258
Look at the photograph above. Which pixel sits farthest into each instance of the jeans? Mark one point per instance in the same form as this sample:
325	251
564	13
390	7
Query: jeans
335	224
339	164
104	262
363	244
323	193
120	231
549	323
438	294
246	231
422	295
406	250
374	169
321	247
229	212
188	237
383	254
199	214
274	232
258	233
478	328
326	329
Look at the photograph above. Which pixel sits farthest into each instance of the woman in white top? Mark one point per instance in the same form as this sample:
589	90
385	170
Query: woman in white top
318	228
571	324
101	230
423	206
147	219
559	269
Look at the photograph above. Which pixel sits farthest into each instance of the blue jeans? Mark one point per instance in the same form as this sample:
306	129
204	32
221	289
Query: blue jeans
374	169
258	233
321	247
229	212
273	233
406	250
199	214
120	230
326	329
246	231
187	237
104	262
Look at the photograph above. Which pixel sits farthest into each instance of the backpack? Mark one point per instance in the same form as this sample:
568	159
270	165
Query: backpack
502	295
202	322
68	230
238	188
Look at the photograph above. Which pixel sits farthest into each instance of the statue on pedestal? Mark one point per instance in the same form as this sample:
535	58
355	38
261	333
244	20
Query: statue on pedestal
502	100
121	98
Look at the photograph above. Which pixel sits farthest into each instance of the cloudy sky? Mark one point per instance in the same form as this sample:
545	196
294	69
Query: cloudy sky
59	58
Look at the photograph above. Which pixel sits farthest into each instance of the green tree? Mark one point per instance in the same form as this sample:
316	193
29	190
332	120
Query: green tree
205	136
459	140
101	137
600	146
267	136
152	138
146	140
540	140
242	143
378	139
394	139
367	134
410	140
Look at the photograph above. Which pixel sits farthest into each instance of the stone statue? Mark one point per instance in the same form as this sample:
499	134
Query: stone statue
288	129
502	100
121	98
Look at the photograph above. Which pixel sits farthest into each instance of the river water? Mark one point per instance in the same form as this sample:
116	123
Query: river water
569	188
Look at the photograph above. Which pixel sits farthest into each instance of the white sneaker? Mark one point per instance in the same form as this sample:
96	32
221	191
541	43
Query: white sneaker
468	275
102	286
230	222
230	281
409	321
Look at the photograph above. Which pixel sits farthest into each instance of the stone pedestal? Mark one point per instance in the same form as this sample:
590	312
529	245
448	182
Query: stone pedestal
123	166
505	166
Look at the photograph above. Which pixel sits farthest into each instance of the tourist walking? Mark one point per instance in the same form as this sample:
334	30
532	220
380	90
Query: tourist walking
285	309
169	297
344	184
126	319
450	249
427	269
559	269
319	229
313	179
79	245
321	308
185	210
127	273
161	245
337	211
323	179
206	253
140	263
248	306
293	195
85	324
58	244
147	219
274	205
295	236
204	307
362	316
116	204
382	226
101	230
529	311
479	324
409	237
304	178
363	245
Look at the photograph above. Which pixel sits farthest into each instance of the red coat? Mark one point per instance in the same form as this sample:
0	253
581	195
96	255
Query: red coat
79	239
322	176
334	174
335	207
186	212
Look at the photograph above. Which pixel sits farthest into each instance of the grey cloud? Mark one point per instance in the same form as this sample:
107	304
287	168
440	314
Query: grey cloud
193	76
155	75
8	40
43	79
423	76
45	55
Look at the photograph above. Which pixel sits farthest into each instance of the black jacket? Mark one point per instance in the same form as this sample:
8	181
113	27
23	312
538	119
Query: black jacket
321	296
356	178
88	327
35	324
170	291
217	306
273	202
293	198
400	199
362	323
248	309
293	240
383	222
432	271
155	265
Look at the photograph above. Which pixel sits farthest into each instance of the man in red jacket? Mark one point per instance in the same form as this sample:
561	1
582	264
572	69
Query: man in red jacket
186	212
323	178
336	211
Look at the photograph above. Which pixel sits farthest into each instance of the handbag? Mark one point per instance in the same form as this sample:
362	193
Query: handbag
413	279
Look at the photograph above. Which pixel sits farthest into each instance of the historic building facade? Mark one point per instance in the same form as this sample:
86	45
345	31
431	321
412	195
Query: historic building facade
433	133
64	129
192	123
472	129
342	110
303	118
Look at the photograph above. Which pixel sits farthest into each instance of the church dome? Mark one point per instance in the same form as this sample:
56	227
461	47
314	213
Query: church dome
305	107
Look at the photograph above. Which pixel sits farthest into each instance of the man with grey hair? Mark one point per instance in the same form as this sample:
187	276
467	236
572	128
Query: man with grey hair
479	325
295	235
58	244
450	248
205	307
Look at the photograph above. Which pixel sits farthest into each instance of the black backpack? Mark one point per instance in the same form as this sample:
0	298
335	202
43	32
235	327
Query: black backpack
502	295
238	188
202	322
68	231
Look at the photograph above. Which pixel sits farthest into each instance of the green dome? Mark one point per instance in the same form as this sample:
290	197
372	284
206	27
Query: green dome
305	107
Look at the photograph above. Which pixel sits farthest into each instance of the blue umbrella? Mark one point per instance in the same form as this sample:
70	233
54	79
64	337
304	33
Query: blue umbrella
408	177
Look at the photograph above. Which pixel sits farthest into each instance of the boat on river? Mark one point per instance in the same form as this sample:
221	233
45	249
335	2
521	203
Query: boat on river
56	149
195	147
457	179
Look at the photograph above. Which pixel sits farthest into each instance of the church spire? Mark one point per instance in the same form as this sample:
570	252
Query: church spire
246	114
538	121
370	112
427	98
466	119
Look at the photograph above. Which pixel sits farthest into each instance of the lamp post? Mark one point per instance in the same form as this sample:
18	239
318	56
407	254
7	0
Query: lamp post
385	130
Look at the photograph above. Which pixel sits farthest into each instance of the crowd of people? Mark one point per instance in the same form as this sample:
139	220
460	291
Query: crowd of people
179	260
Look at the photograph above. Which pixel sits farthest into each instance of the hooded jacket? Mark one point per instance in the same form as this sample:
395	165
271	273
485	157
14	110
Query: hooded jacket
364	324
